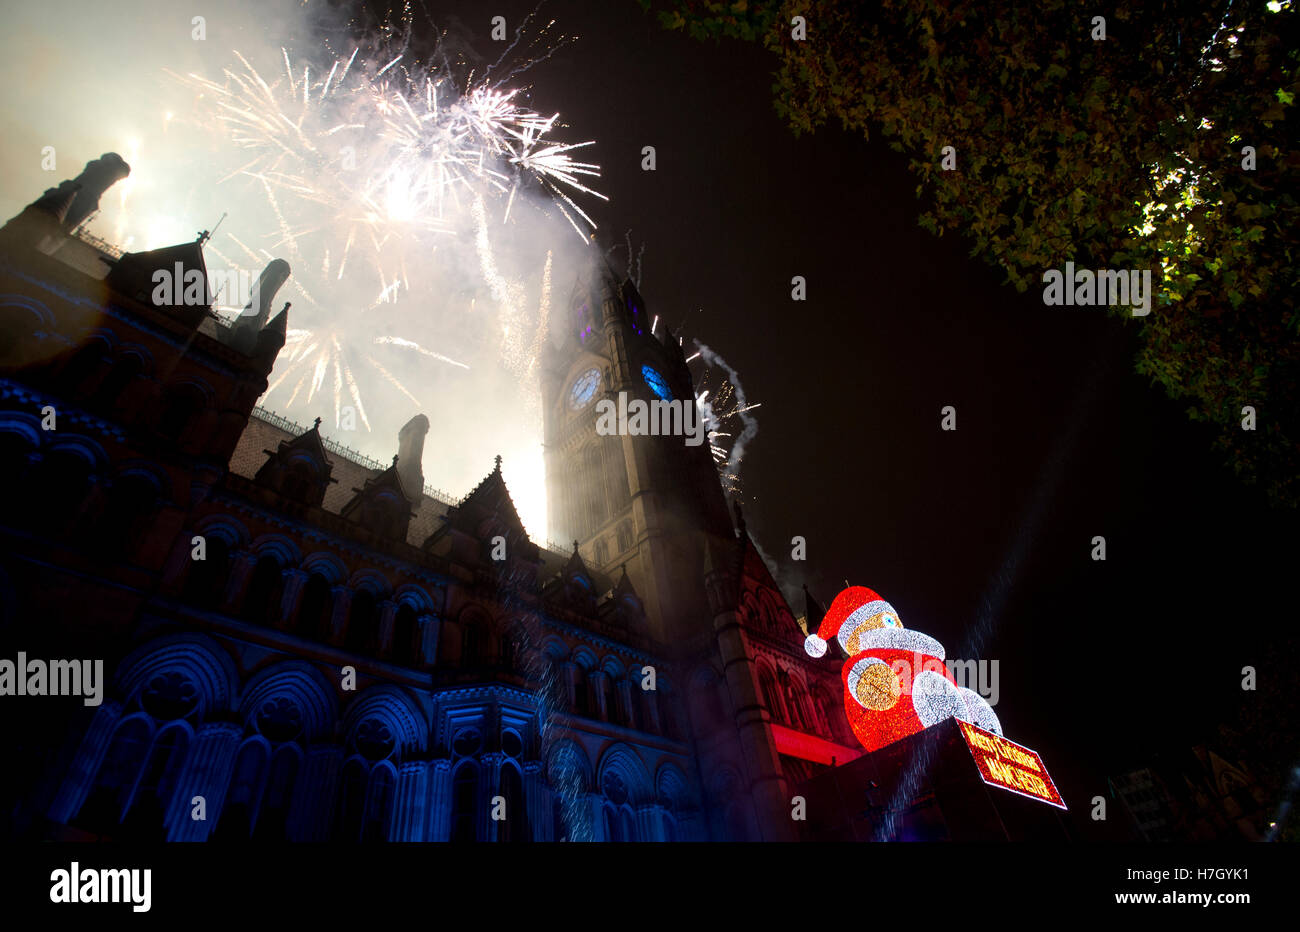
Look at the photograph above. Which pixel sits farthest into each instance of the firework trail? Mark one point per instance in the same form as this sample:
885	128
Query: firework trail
724	407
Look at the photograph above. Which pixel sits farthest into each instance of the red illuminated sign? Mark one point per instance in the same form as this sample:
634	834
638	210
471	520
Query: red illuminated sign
1006	764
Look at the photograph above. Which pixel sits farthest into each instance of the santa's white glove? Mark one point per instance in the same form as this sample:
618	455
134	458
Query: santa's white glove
814	645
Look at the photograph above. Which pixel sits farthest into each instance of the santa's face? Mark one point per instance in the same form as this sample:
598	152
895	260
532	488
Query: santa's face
871	616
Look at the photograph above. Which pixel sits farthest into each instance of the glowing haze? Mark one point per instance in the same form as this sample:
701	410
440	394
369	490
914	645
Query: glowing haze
429	214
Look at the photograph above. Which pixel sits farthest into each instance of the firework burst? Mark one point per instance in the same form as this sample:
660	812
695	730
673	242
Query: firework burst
367	164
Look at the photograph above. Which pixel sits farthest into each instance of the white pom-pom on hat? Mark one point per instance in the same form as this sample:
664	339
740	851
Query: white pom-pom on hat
814	645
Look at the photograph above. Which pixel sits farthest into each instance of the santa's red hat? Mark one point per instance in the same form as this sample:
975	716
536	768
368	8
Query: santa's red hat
851	607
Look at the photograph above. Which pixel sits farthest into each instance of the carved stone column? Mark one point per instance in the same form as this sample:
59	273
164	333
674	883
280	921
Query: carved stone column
342	608
598	679
650	823
596	826
178	562
650	709
489	783
572	685
294	582
429	627
440	801
387	615
410	805
241	569
623	695
538	797
311	815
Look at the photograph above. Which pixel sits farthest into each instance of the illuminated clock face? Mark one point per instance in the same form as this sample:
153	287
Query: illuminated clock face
657	383
583	389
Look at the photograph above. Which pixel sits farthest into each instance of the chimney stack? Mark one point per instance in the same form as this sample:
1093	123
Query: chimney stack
41	222
97	177
410	454
251	320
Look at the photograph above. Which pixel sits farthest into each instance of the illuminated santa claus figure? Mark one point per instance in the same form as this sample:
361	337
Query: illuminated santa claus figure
895	680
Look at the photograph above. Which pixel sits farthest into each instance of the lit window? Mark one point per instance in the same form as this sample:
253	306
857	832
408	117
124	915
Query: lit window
657	383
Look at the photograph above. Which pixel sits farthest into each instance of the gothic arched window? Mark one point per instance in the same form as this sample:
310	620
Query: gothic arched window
273	814
206	582
62	484
316	609
476	644
581	692
128	514
299	481
147	807
515	827
792	693
107	800
262	598
379	802
406	635
247	780
771	696
181	406
352	801
78	370
464	802
363	623
668	721
126	369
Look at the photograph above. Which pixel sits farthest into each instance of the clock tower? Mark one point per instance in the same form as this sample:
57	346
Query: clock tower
644	503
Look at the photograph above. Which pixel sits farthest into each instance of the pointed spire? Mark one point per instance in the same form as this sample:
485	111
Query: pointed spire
280	322
575	563
812	610
271	338
624	585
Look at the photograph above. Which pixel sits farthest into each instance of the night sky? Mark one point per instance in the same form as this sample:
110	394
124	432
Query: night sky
1101	663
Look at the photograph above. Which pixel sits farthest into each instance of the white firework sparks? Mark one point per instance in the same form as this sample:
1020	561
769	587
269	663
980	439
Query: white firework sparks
720	396
367	162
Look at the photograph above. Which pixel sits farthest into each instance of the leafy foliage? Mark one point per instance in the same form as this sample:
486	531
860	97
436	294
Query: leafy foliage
1122	153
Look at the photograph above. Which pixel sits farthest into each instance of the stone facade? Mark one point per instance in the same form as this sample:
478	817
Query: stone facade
302	644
